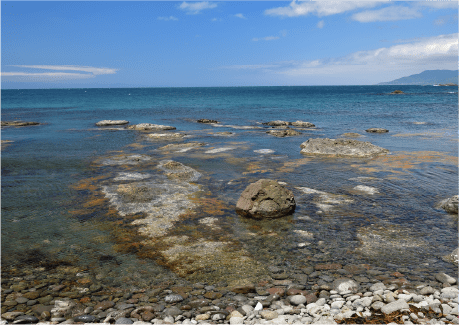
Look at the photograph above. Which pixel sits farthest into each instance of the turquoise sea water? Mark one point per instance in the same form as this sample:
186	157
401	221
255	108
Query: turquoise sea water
43	163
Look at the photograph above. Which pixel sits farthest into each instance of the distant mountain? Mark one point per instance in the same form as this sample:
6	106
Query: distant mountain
428	77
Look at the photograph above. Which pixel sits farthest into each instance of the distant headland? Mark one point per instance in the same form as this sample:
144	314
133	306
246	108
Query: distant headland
428	77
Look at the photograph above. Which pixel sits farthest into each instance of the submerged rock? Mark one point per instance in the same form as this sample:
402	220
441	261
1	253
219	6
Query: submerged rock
366	189
341	148
376	130
284	133
352	135
450	205
18	123
181	146
111	122
265	199
397	92
166	136
204	120
452	258
149	126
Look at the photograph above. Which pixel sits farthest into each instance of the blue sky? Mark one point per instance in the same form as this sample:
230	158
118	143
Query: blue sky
221	43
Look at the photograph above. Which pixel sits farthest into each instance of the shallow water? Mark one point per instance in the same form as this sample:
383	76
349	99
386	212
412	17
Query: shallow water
55	210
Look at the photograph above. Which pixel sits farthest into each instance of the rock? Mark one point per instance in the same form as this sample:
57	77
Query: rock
204	120
202	317
303	124
218	150
366	189
166	136
449	293
265	199
123	320
427	290
149	126
84	318
352	135
111	122
297	299
18	123
172	311
26	319
226	133
397	92
236	320
284	133
443	278
345	286
12	315
376	130
378	286
341	148
182	147
268	314
277	123
104	305
173	298
450	205
452	258
394	306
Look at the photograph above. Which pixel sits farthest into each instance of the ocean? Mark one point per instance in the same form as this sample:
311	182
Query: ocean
79	196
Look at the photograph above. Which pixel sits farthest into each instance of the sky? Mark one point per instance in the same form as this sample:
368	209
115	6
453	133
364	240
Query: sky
109	44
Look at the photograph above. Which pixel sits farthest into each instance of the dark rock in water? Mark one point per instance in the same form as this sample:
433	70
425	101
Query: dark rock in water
84	318
111	122
18	123
26	319
450	205
377	130
265	199
204	120
277	123
397	92
341	148
303	124
284	133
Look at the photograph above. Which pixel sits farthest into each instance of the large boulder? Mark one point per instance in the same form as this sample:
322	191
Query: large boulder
111	122
341	148
450	205
265	199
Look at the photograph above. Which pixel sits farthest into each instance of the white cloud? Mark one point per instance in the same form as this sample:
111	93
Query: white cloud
437	4
88	72
432	53
240	16
320	24
267	38
193	8
168	18
391	13
320	8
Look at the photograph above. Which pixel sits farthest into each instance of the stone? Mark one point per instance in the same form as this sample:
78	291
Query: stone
341	148
303	124
283	133
395	306
449	293
297	299
452	258
166	136
376	130
441	277
351	135
197	303
172	311
123	320
84	318
450	205
378	286
204	120
18	123
268	314
218	316
149	126
277	123
366	189
202	317
173	298
427	290
111	122
265	199
236	320
31	295
103	305
345	286
11	315
397	92
26	319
